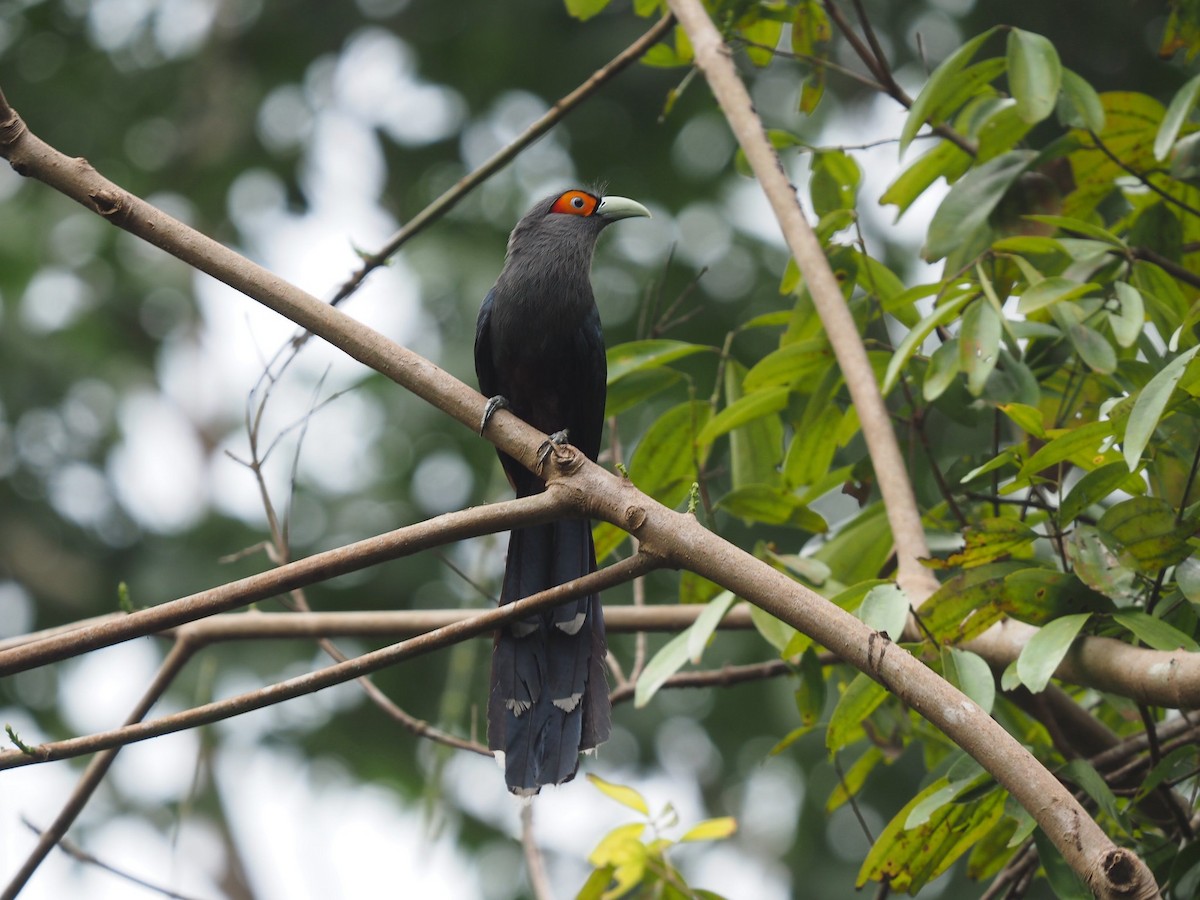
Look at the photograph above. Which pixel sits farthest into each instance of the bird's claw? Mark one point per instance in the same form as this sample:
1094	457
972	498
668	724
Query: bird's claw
556	440
493	404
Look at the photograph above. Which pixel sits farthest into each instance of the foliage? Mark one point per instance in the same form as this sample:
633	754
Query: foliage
627	865
1044	379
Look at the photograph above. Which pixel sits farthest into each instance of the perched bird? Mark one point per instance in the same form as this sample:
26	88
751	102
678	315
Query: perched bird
539	352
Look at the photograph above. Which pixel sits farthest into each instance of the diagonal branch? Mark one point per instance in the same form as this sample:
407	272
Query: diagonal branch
356	667
180	653
319	567
1108	870
907	531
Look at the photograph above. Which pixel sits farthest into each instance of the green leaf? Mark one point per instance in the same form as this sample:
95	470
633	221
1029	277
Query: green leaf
979	344
1181	107
943	368
1079	105
701	631
945	160
771	506
910	858
694	589
1097	566
1063	880
1093	348
1187	577
793	365
1127	324
765	30
941	83
1093	487
1036	596
988	540
585	9
664	462
885	609
636	355
626	796
1034	74
1150	404
971	674
607	538
1155	632
1028	418
682	648
861	698
969	603
636	388
1041	656
811	36
756	444
855	777
916	336
971	201
835	180
776	632
1079	226
1073	444
1145	535
1051	290
672	657
747	409
811	692
711	830
811	452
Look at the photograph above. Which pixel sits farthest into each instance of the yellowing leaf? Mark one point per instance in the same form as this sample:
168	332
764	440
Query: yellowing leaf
626	796
711	830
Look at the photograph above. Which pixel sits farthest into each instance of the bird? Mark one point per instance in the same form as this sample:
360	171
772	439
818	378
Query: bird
539	352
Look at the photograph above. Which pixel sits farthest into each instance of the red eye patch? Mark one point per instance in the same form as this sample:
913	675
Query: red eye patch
575	203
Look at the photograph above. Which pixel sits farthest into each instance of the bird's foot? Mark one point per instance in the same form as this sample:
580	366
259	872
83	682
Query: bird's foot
556	440
493	404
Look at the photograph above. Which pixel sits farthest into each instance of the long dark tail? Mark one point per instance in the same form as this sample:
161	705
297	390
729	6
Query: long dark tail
549	694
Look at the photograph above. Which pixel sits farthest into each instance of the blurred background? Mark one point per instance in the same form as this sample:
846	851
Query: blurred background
302	133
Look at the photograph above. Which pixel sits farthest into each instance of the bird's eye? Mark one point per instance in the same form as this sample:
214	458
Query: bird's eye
575	203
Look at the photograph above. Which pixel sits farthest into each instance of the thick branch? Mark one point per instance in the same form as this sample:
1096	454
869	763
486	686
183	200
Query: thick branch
319	567
713	59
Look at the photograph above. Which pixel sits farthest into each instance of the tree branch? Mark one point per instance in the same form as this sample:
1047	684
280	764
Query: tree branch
714	61
96	770
1110	871
321	566
663	534
480	623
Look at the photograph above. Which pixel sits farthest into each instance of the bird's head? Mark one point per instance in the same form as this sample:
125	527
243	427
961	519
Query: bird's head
570	221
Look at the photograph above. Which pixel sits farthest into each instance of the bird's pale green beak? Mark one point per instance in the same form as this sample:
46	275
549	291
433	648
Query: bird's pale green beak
613	208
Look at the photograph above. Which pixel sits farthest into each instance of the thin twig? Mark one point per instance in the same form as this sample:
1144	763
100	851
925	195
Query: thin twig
535	863
180	653
78	854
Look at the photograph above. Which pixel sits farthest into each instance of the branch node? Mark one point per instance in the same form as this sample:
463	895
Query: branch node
107	202
635	518
1121	872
